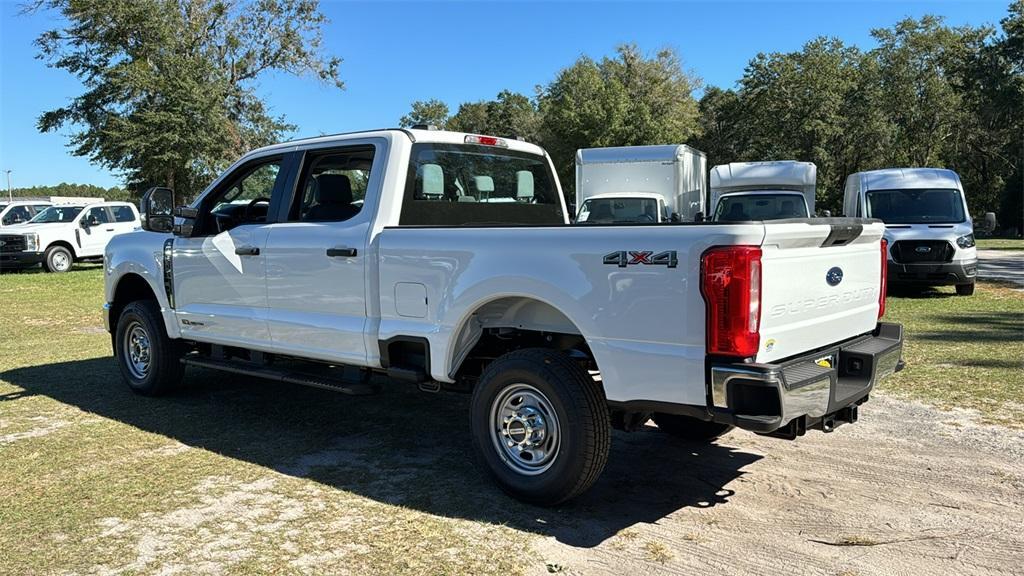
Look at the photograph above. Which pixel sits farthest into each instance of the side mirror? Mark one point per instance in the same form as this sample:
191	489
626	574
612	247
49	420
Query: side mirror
156	210
698	217
826	213
674	217
84	223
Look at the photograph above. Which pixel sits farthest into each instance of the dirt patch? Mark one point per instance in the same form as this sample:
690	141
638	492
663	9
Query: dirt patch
41	426
909	490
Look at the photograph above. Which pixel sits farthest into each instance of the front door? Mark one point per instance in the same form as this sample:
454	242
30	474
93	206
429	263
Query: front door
93	237
317	261
220	292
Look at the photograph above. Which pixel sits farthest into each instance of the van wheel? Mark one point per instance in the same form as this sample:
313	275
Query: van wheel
58	259
691	429
540	425
965	289
149	360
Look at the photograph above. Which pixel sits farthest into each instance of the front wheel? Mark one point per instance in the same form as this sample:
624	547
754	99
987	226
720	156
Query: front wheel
965	289
691	429
149	360
540	425
58	259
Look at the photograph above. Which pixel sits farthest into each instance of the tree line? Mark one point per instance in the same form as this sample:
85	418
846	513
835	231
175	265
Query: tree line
927	95
66	189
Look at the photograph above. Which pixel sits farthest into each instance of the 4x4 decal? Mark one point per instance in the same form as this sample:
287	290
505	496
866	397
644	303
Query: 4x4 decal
624	258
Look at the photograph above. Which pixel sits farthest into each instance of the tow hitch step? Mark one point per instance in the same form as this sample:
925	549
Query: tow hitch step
361	388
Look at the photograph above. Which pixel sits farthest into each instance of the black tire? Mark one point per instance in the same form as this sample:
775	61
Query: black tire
165	370
58	259
965	289
580	423
689	428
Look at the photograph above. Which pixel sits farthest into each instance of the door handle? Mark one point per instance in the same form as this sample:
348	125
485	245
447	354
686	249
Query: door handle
247	251
341	251
110	229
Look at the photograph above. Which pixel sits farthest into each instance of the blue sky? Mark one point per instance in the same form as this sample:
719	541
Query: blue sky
395	53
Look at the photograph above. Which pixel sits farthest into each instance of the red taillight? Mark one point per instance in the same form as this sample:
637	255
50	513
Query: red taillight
731	286
486	140
885	274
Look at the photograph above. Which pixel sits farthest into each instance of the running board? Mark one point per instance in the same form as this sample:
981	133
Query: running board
258	371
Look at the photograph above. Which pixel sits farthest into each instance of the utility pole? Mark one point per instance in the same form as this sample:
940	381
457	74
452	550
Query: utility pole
9	197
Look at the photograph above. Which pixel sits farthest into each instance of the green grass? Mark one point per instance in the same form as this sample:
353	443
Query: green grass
963	351
1001	243
253	476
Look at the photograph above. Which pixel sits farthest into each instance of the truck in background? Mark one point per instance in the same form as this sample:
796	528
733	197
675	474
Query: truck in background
927	225
774	190
640	184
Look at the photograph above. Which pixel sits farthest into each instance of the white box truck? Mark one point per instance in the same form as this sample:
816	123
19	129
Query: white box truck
640	184
927	225
775	190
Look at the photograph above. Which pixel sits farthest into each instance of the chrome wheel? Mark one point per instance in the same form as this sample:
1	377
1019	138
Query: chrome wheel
137	350
60	261
524	429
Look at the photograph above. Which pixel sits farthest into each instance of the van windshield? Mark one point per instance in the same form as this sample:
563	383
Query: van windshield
616	210
747	207
57	214
916	206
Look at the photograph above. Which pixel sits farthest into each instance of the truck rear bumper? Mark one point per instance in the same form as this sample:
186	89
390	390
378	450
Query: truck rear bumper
818	390
934	274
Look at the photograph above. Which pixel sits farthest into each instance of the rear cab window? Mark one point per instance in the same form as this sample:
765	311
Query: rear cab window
477	185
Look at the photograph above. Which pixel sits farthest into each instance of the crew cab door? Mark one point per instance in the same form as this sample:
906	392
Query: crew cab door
92	238
317	259
219	271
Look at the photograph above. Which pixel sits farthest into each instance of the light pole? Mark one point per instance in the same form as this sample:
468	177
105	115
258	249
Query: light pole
9	197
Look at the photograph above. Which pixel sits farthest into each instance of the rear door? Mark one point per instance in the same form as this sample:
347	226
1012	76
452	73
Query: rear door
820	284
126	218
317	258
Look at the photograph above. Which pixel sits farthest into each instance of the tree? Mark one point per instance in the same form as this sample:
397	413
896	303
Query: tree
722	127
431	112
626	100
170	92
511	114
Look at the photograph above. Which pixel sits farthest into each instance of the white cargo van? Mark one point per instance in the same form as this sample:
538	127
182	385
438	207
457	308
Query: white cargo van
927	225
640	184
743	191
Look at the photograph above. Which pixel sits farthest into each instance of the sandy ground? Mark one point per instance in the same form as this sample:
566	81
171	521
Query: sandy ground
907	490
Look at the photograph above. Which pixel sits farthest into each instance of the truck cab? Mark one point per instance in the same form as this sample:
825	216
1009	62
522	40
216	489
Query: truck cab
752	191
927	224
17	212
640	184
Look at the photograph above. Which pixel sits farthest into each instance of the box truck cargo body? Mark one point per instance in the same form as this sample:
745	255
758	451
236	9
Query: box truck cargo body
640	184
742	191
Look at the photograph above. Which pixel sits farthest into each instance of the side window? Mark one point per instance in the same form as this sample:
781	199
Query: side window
123	214
244	198
17	215
97	215
333	185
39	208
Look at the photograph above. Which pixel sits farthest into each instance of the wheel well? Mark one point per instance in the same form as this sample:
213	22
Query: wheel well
130	287
64	244
506	324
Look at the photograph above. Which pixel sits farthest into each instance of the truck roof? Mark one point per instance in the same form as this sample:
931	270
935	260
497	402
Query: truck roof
659	153
764	175
895	178
416	135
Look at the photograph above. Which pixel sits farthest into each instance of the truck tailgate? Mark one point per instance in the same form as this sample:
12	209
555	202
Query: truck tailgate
820	284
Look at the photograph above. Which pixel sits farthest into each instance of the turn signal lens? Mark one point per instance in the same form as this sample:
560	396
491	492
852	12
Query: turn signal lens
731	286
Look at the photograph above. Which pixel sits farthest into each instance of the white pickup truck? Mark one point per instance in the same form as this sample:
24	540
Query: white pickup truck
60	235
447	259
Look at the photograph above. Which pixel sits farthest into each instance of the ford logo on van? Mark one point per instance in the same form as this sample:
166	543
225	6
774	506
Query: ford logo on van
923	249
834	276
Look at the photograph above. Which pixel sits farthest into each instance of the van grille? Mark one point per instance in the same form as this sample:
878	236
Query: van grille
12	243
912	251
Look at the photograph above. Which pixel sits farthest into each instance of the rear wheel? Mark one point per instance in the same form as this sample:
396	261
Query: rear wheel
689	428
149	360
58	259
540	425
965	289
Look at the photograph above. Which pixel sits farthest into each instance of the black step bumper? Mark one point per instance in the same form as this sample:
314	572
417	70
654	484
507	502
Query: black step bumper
819	390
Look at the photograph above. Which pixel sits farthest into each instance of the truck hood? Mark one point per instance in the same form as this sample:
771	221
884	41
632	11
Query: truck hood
29	228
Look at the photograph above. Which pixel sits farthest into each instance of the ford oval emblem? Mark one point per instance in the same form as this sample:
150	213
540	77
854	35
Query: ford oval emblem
834	276
923	249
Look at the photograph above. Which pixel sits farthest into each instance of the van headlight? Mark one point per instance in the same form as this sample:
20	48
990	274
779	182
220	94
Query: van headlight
31	242
965	241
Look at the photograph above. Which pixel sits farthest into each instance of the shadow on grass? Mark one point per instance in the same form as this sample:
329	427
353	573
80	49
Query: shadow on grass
916	292
400	447
977	327
38	269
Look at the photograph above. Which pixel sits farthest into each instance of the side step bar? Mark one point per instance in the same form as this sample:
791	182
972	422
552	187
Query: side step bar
261	371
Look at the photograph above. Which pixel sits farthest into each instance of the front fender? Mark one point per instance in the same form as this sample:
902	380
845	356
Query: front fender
140	253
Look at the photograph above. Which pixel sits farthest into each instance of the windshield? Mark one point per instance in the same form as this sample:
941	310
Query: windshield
748	207
916	206
56	214
616	210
